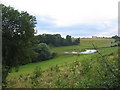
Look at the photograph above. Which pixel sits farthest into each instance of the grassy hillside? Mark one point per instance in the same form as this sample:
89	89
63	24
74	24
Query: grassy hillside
61	65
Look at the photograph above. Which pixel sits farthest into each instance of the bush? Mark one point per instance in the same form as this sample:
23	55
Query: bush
44	52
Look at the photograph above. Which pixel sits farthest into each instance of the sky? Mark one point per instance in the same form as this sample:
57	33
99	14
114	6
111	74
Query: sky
78	18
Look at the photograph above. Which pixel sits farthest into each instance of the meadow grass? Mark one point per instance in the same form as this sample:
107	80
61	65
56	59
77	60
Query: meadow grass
80	73
62	60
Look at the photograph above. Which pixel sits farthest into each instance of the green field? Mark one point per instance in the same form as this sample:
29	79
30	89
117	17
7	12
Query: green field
64	60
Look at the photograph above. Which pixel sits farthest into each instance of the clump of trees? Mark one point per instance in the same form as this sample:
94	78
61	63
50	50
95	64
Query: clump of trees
57	40
43	52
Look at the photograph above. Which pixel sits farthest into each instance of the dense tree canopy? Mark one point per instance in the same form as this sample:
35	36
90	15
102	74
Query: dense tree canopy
57	40
68	40
17	37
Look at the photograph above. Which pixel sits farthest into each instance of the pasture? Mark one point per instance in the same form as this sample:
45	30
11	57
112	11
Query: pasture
51	69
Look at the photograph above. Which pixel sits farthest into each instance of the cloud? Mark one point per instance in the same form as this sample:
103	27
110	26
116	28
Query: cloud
69	12
44	22
74	17
102	28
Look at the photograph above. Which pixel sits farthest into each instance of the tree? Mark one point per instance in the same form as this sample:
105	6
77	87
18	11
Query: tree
17	38
43	51
68	40
57	40
76	41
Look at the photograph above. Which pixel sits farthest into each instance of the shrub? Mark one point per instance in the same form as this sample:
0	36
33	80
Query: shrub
43	51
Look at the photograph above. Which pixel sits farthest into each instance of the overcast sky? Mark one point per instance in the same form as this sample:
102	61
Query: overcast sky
79	18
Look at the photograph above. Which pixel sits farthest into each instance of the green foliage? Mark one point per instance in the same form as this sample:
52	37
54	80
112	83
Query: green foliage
17	37
76	41
117	41
68	40
109	72
61	58
34	78
43	51
37	72
74	71
57	68
57	40
86	73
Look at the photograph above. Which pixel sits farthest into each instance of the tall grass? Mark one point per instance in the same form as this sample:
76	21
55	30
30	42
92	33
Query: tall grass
99	72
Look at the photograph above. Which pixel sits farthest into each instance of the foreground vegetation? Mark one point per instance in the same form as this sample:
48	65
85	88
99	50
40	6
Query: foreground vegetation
98	70
21	48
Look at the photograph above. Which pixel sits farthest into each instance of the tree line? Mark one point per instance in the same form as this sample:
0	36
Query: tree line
57	40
